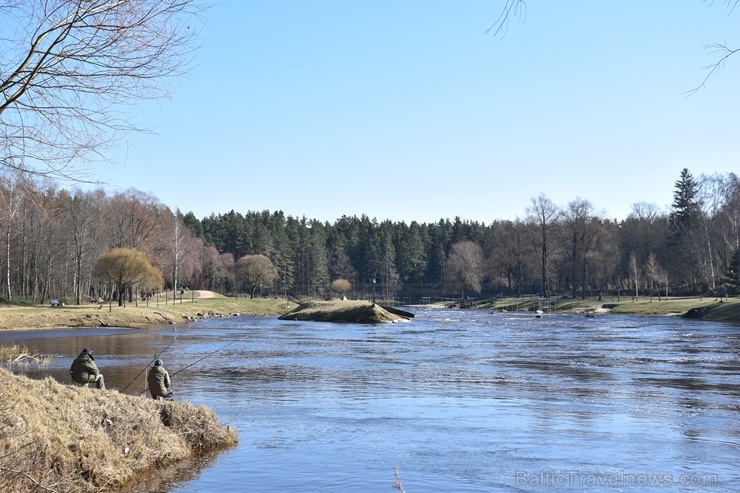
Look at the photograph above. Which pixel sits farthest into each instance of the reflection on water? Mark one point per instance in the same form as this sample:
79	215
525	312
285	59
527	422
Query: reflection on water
463	401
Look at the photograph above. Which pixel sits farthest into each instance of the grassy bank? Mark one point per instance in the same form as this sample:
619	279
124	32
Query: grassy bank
348	311
30	317
707	308
133	315
57	438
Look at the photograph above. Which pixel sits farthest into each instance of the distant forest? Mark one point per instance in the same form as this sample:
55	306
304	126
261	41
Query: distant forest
53	237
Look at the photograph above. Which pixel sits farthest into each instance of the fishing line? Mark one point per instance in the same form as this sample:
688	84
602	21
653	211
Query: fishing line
199	360
156	357
204	357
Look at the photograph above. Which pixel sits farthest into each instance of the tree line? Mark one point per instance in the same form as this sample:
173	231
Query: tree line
72	71
573	250
58	243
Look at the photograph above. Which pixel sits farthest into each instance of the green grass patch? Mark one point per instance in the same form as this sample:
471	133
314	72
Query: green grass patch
708	308
728	310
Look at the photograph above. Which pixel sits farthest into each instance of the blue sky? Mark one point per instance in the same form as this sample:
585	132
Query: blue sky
407	110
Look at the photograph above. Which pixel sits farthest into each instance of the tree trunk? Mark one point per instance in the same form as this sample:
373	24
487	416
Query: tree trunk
7	259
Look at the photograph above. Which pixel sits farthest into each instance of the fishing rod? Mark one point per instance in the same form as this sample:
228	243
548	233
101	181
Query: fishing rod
199	360
157	356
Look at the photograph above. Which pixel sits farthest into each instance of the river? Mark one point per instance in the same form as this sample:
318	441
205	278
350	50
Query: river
456	400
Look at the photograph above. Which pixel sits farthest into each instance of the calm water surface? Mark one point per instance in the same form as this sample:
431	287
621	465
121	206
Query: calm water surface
458	401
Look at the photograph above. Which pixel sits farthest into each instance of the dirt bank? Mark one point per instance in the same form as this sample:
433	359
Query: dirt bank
57	438
344	311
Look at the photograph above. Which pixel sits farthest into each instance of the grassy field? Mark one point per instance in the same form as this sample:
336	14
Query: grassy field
153	313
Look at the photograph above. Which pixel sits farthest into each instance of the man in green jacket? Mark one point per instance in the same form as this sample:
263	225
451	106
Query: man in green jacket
84	370
159	381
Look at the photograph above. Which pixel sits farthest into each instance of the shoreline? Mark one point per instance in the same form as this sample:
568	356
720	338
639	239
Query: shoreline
141	317
58	437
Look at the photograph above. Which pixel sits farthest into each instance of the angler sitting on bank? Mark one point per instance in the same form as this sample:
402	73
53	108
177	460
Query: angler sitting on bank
84	370
159	381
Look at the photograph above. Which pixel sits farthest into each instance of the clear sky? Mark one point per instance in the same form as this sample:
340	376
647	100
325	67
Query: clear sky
407	110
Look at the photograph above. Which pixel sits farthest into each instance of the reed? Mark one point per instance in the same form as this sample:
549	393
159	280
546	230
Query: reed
14	355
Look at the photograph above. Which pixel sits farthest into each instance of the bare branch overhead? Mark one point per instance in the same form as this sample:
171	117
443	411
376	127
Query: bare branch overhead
71	71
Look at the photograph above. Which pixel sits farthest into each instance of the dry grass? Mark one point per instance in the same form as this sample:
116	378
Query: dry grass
342	311
15	355
56	438
141	315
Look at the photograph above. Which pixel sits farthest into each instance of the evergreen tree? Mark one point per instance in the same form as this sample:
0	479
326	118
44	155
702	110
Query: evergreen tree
686	249
732	281
686	206
412	252
192	222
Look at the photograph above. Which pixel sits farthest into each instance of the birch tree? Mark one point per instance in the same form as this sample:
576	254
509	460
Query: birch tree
11	191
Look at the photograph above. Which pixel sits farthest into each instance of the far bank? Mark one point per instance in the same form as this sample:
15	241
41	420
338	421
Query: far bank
708	308
206	305
189	308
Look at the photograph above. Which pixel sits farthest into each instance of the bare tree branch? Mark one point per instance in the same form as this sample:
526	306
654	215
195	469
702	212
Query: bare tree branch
72	70
512	8
518	8
723	52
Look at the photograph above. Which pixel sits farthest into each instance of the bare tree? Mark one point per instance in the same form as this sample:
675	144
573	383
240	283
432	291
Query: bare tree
69	69
580	232
11	192
81	211
125	267
509	256
255	271
180	247
341	286
634	271
136	218
654	273
465	266
542	216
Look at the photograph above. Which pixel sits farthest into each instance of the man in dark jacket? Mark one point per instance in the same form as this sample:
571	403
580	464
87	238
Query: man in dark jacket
159	381
84	370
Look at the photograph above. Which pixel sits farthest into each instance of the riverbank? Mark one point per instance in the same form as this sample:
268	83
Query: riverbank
201	304
707	308
58	438
204	304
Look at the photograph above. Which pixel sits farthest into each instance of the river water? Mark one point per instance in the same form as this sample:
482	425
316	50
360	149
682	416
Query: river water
457	400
